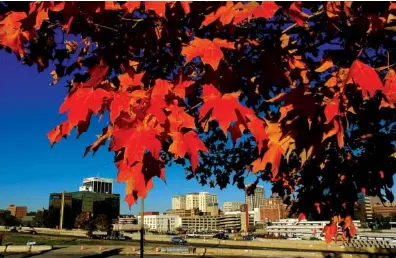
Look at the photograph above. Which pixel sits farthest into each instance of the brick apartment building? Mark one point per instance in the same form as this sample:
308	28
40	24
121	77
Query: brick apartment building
17	211
272	209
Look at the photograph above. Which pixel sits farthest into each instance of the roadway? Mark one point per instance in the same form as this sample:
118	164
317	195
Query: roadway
49	255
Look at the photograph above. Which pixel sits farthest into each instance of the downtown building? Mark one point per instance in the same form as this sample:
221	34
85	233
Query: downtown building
256	199
97	185
205	223
272	209
92	198
17	211
192	201
179	202
162	222
303	228
232	206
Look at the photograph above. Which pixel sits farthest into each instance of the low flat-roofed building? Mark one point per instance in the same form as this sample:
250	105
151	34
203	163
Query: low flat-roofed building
291	227
200	223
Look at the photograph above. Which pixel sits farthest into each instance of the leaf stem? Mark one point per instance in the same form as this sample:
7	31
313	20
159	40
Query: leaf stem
309	17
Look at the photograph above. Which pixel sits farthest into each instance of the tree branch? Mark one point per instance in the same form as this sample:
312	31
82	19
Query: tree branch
309	17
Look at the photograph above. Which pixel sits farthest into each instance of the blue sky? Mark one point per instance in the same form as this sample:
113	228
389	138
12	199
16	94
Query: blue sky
30	169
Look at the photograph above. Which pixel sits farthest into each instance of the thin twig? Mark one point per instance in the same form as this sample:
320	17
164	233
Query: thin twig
388	56
106	27
309	17
194	107
335	26
128	19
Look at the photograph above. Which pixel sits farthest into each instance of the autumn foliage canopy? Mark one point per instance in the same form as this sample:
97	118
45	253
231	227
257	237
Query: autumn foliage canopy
299	94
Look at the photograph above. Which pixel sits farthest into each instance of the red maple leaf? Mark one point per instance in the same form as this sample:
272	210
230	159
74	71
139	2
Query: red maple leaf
128	81
56	134
130	103
239	12
227	109
218	13
273	155
332	109
136	185
11	34
180	88
107	133
158	6
209	51
38	13
390	86
97	75
186	6
301	217
136	140
295	12
338	130
366	77
222	108
188	143
130	6
157	99
139	176
178	118
83	101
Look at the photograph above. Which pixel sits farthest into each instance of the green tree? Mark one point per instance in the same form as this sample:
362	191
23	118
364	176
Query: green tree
38	220
6	219
380	221
83	221
102	223
393	217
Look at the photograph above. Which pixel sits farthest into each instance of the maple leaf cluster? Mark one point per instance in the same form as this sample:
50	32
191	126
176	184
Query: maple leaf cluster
300	94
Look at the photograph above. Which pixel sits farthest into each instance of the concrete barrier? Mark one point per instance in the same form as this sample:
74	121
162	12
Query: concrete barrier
40	248
24	248
17	249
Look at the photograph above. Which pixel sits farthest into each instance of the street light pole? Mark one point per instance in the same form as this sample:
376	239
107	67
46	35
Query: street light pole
142	228
62	210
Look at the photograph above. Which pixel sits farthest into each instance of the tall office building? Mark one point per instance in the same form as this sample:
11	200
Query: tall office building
232	206
179	202
256	199
200	200
97	185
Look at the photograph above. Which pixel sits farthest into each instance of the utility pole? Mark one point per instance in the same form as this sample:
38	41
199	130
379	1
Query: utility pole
142	228
62	211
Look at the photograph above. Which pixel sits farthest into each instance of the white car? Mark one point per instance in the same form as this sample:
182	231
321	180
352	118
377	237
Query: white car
294	238
30	243
193	235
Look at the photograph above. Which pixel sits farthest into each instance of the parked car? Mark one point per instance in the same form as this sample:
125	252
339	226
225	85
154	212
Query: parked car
13	230
193	235
178	240
249	238
221	236
294	238
30	243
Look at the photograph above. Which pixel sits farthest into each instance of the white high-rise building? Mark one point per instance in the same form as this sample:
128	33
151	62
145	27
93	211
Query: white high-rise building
200	200
232	206
256	199
179	202
162	223
97	185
